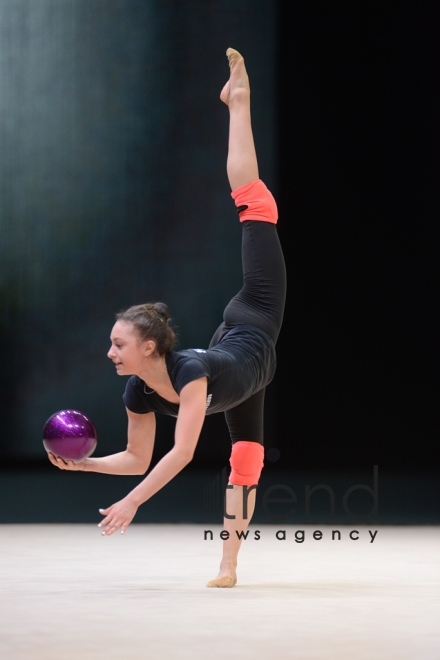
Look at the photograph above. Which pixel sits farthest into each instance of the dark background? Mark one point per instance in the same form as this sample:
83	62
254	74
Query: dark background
114	191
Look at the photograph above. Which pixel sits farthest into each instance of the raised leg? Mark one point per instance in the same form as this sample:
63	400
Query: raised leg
242	165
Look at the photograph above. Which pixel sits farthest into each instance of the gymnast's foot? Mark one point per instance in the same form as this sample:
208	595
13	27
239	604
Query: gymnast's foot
226	578
237	86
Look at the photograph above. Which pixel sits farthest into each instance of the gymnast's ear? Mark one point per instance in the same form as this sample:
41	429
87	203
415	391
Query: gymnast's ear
149	347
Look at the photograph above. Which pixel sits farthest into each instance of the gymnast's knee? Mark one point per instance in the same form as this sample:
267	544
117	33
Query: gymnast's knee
246	462
254	201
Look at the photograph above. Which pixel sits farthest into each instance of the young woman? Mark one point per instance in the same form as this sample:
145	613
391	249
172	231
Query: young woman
230	376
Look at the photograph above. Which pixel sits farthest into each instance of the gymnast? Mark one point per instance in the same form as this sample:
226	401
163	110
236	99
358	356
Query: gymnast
230	376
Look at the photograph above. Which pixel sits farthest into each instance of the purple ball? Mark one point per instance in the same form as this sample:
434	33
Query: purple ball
70	434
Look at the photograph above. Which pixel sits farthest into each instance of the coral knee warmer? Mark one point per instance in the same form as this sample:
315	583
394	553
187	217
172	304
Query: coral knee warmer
254	201
246	463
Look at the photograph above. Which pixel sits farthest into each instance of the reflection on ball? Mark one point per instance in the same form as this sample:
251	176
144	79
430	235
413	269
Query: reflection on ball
70	434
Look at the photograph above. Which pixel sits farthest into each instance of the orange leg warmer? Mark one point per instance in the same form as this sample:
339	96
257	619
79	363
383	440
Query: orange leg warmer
246	463
254	201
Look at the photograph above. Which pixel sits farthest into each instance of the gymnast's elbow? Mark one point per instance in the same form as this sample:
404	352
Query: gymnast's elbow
183	455
142	470
138	464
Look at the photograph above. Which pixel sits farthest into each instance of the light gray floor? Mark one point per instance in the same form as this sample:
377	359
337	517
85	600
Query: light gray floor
69	593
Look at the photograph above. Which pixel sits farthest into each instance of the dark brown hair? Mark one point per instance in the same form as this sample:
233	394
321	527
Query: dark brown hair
151	321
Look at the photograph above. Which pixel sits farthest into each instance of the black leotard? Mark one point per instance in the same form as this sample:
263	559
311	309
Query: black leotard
240	365
240	360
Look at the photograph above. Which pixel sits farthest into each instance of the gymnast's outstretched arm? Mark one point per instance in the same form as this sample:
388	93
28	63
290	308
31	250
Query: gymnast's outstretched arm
135	459
188	427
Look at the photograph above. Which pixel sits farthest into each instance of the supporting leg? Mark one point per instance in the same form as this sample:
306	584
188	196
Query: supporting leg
227	576
246	465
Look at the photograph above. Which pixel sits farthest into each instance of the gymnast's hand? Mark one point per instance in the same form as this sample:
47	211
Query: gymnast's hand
117	516
65	465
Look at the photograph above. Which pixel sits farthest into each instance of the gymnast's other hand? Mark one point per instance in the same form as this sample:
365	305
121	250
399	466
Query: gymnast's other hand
117	516
65	465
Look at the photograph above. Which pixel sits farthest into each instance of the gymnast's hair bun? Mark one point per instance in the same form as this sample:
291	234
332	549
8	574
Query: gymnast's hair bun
162	310
151	321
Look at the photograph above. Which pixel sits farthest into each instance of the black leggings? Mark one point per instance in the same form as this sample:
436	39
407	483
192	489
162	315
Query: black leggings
260	302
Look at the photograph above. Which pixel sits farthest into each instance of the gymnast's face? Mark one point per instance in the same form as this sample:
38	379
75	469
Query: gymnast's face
127	351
